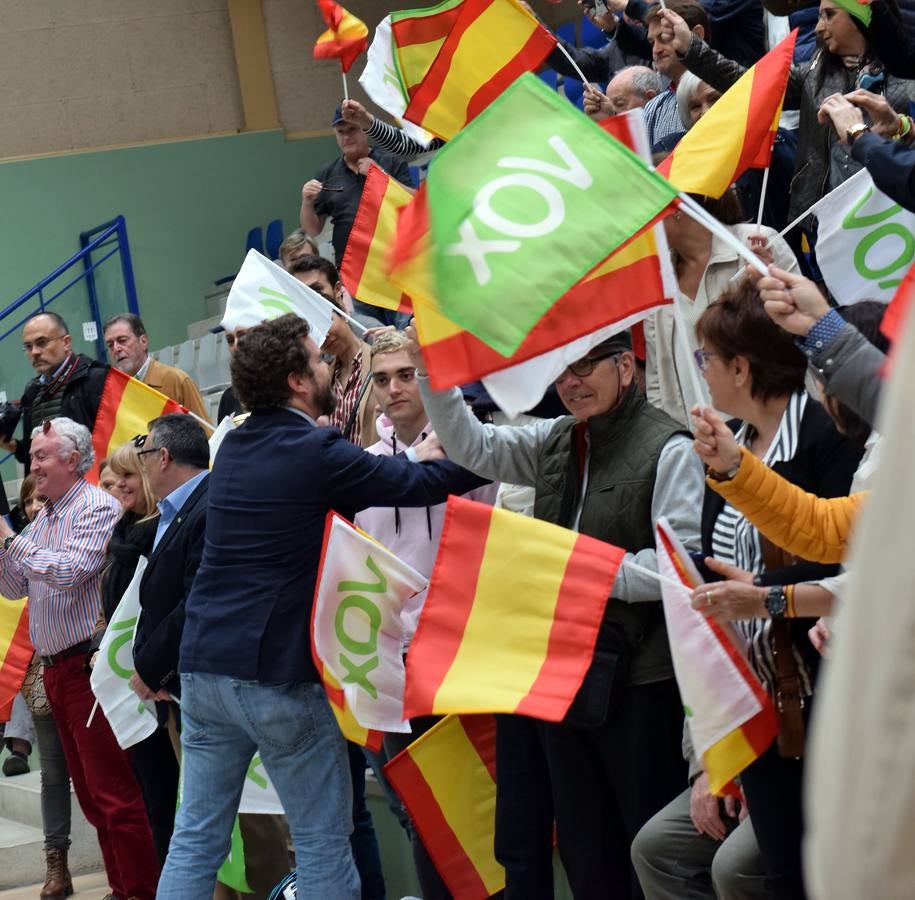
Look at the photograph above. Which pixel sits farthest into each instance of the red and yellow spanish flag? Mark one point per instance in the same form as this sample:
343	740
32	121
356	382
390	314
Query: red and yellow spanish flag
15	648
418	35
364	271
346	36
501	573
447	782
126	409
737	133
729	714
490	44
352	730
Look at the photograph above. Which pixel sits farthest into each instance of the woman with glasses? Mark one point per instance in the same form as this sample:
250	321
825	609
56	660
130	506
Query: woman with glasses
756	374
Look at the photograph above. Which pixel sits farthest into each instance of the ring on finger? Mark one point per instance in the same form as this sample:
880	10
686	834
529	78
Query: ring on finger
708	598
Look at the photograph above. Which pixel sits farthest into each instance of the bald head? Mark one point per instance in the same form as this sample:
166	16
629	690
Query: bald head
633	87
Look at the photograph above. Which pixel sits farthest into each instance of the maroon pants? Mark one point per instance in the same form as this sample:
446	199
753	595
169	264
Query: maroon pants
104	782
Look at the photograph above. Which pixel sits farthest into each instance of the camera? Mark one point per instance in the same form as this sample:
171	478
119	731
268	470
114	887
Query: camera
10	413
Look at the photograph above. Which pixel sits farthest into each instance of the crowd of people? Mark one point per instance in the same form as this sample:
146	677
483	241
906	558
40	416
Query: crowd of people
761	475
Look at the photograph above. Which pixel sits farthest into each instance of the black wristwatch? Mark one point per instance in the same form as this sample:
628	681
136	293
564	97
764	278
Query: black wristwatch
776	602
8	541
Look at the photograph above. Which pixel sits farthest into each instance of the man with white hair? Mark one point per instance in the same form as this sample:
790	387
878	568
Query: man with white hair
58	565
631	88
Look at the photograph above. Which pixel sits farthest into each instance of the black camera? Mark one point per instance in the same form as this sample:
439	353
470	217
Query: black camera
10	413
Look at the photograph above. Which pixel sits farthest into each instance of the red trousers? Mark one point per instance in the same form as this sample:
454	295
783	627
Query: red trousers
104	782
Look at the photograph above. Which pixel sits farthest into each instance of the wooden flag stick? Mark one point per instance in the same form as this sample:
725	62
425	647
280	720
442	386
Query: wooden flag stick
762	198
345	87
574	64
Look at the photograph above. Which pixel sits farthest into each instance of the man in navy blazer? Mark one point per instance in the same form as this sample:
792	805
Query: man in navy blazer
247	676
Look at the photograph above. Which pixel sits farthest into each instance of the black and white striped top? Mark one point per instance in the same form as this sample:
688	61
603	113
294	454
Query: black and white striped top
736	541
397	141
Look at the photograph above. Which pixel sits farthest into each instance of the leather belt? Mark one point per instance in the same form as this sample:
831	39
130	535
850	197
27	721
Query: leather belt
76	650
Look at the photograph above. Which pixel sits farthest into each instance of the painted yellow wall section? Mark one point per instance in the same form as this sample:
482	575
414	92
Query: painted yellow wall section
252	60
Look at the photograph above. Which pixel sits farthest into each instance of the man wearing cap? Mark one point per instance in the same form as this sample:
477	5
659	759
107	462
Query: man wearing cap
337	188
610	469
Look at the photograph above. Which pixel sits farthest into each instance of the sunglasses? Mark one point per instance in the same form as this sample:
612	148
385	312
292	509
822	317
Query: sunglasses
139	441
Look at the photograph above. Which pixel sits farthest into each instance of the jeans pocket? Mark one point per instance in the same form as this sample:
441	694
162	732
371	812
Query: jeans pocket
282	716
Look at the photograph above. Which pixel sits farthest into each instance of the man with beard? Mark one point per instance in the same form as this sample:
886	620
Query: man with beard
248	682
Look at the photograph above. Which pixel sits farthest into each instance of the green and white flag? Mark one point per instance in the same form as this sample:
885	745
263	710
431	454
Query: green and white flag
263	290
525	201
865	241
129	717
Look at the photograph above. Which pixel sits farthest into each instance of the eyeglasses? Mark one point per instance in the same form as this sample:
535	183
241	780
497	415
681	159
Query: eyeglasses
40	343
702	357
585	366
139	441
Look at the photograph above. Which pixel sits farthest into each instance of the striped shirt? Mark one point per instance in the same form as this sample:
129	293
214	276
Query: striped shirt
347	394
399	143
736	541
58	566
662	116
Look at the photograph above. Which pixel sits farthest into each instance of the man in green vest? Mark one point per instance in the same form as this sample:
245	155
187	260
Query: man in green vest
610	469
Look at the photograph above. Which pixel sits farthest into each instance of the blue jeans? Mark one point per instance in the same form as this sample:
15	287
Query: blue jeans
224	721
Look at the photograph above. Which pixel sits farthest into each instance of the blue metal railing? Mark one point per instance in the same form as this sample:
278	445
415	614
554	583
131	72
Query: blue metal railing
113	232
109	239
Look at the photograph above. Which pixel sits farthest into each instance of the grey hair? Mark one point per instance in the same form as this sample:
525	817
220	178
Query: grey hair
645	80
686	87
80	437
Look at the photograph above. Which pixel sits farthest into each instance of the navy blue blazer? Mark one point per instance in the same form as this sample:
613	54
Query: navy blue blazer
272	485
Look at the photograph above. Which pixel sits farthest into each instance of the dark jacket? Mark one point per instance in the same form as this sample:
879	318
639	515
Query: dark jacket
130	540
273	483
824	464
890	37
82	396
809	84
891	164
164	589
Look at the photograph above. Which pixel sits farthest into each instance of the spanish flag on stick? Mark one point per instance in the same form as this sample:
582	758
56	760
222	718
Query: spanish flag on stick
418	35
447	782
737	133
346	36
127	408
500	573
730	716
490	44
15	648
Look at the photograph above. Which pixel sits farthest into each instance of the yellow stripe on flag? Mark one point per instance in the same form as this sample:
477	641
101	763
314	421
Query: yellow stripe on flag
726	759
10	614
522	657
139	405
495	38
637	249
415	60
460	793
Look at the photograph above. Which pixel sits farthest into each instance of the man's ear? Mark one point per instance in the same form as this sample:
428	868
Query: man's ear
698	29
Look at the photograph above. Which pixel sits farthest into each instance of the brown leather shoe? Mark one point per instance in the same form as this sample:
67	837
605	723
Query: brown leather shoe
57	883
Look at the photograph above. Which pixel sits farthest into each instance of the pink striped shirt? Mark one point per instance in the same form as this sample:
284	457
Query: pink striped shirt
58	565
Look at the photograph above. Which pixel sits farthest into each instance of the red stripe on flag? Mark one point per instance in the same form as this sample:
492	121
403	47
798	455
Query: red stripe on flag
363	230
16	660
462	357
332	13
760	155
440	841
535	50
428	90
461	552
339	48
413	229
106	418
481	732
575	624
424	29
760	731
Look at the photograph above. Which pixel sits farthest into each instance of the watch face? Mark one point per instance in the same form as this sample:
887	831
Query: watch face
776	602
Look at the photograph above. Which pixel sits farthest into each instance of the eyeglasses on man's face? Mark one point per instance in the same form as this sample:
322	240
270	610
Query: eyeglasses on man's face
585	366
139	442
41	343
702	357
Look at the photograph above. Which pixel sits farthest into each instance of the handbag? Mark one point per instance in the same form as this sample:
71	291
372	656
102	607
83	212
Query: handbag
33	691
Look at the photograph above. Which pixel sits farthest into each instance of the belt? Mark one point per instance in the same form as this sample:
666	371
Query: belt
76	650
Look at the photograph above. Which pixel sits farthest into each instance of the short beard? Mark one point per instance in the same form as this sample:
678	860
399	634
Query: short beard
326	401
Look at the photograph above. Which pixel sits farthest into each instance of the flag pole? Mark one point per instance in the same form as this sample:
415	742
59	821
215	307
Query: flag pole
762	199
683	340
657	576
698	214
574	64
201	420
345	87
92	713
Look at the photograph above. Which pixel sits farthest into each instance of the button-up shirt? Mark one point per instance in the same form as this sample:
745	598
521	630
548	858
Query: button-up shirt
170	505
58	566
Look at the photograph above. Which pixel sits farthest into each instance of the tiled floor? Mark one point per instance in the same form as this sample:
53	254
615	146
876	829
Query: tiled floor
85	887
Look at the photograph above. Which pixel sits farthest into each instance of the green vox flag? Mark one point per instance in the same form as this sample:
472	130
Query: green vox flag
523	202
232	872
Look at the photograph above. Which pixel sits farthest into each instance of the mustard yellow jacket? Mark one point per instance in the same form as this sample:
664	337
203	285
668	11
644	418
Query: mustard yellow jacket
814	528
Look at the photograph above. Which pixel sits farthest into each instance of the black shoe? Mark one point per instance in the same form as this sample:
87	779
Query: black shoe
16	764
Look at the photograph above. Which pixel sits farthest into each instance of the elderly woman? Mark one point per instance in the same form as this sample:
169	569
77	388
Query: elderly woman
755	373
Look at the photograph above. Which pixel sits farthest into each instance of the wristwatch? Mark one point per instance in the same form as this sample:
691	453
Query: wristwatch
8	541
856	130
722	476
776	602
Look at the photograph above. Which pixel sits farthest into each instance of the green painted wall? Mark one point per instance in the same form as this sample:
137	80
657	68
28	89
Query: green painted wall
188	206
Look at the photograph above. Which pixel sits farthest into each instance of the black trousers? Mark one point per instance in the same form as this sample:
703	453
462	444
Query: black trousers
524	810
772	786
608	781
156	768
